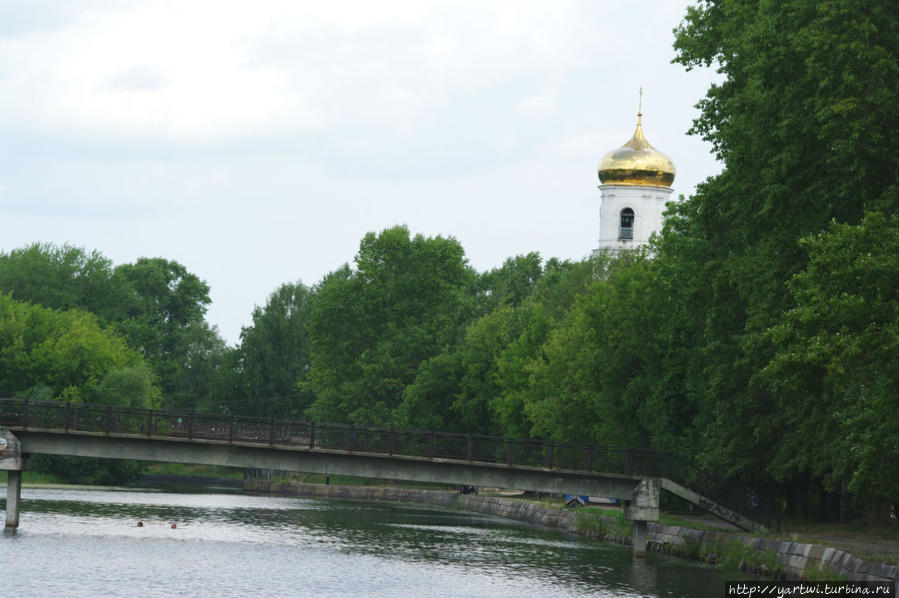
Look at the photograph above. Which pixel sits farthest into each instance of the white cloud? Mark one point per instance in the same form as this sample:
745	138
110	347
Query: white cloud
213	70
537	106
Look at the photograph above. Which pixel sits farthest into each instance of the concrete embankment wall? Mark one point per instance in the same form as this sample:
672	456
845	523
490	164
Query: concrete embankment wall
788	560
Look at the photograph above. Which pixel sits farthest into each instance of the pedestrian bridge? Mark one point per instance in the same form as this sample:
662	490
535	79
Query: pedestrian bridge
635	476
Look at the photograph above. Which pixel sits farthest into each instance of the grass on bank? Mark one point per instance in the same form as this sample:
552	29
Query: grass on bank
38	478
34	478
202	471
340	480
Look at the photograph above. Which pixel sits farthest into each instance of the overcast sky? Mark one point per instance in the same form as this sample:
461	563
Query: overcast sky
257	142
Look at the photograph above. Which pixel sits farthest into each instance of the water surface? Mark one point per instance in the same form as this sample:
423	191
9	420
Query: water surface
85	543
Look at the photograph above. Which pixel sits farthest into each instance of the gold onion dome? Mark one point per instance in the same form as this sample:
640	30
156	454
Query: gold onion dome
637	163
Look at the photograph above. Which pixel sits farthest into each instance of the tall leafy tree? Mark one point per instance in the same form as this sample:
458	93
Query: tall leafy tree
429	401
804	121
167	301
538	315
274	354
371	328
67	355
482	383
156	304
206	376
512	282
65	277
839	345
589	379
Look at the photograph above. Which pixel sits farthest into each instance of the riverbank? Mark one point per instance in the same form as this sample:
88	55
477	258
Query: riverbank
764	556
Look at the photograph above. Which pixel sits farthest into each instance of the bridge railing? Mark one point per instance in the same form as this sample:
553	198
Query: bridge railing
313	435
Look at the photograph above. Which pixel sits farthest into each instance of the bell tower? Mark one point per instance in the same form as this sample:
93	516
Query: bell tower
635	183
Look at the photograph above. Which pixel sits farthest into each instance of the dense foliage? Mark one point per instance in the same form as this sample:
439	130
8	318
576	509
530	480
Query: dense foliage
67	355
370	328
273	357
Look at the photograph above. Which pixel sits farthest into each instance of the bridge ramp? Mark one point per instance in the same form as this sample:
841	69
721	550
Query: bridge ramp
715	508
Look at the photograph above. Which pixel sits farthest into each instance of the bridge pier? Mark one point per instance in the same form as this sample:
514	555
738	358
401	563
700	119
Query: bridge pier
12	461
641	509
13	498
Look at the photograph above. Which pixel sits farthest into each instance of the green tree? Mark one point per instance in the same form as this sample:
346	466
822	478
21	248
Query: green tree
68	355
274	351
803	121
839	345
589	379
476	403
155	303
205	378
65	278
370	329
554	296
511	283
167	303
455	389
429	402
481	383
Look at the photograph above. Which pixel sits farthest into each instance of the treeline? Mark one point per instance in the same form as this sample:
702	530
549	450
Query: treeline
759	334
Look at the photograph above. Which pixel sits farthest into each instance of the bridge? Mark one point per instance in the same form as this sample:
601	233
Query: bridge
634	476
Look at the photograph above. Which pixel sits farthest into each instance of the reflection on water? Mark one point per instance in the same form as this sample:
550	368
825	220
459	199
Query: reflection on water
86	543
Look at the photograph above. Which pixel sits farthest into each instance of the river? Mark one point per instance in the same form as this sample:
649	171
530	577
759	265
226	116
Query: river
75	542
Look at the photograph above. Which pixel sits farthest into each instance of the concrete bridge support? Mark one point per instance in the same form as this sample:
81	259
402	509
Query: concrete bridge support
13	498
12	461
642	508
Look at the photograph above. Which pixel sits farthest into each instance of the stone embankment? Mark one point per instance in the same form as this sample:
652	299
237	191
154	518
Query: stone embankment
772	558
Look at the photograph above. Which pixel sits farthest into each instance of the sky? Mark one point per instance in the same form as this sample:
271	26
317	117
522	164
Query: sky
257	142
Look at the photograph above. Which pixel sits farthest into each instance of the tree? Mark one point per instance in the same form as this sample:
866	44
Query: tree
166	302
429	402
839	345
274	351
511	283
476	405
70	356
481	383
804	121
590	378
206	376
553	297
156	304
67	356
370	329
65	278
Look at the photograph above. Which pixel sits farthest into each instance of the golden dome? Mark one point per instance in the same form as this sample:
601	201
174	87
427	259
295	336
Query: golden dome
637	163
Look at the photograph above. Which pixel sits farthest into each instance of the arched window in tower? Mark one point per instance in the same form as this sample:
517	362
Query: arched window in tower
626	230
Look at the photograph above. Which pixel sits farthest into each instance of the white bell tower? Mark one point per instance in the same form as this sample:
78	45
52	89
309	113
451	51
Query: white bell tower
636	183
